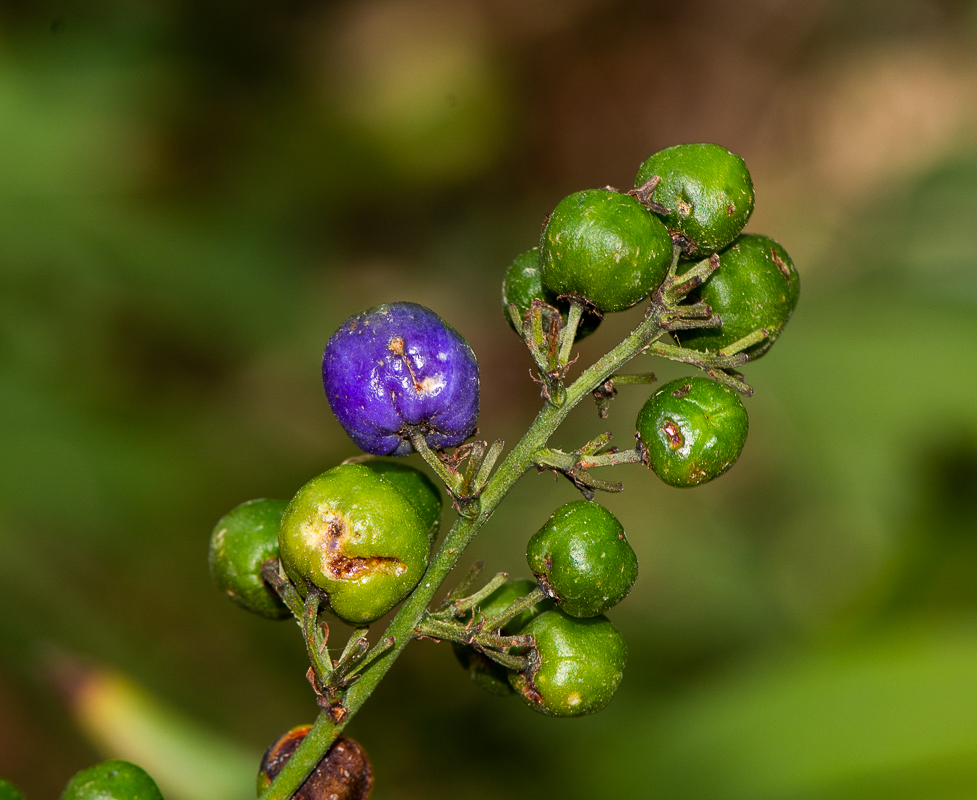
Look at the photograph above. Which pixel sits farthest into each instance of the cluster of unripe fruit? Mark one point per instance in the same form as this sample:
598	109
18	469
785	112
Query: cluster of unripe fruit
399	379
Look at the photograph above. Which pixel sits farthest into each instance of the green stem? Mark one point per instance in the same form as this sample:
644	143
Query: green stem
569	333
402	628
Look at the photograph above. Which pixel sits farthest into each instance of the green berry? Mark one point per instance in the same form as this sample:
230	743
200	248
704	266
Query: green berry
244	539
604	248
523	284
694	430
112	780
9	792
576	665
582	559
416	486
756	286
354	534
489	674
706	191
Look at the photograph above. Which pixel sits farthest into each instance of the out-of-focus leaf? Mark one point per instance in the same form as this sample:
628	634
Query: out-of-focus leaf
124	720
894	717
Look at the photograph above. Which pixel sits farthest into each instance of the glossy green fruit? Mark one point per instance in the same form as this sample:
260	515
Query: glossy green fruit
694	430
9	792
112	780
416	486
580	664
523	284
359	538
582	559
605	248
489	674
707	192
343	773
756	286
244	539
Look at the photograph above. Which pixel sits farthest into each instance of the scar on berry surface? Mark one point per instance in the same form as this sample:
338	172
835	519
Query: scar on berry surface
331	533
682	390
784	269
430	385
675	439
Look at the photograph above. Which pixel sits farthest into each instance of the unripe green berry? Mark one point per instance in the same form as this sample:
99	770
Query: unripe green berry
9	792
112	780
489	674
604	248
756	286
576	667
352	533
707	193
582	559
244	539
523	284
416	487
693	430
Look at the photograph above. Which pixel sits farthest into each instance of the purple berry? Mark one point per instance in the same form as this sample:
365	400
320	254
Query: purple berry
400	365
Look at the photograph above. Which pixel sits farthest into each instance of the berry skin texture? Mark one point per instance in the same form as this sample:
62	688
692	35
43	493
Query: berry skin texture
582	559
244	539
489	674
523	284
604	248
355	535
343	773
694	430
400	365
112	780
756	286
707	192
578	666
416	486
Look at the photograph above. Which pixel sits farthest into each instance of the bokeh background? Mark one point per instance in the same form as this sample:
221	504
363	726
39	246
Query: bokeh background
193	196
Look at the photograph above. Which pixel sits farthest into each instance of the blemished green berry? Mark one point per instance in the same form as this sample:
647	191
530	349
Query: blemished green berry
577	667
706	191
343	773
694	429
756	286
489	674
582	559
9	792
112	780
244	539
354	534
416	486
604	248
523	284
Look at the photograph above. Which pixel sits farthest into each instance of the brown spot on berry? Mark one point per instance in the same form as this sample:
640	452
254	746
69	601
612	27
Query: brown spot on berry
673	434
781	265
396	346
344	568
682	390
730	210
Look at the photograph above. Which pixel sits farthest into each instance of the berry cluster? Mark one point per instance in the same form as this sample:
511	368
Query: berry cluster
362	538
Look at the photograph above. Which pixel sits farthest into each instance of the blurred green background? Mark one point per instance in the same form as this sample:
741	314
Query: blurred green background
193	196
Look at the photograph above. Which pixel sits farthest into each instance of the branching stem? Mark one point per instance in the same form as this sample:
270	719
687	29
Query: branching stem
402	628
